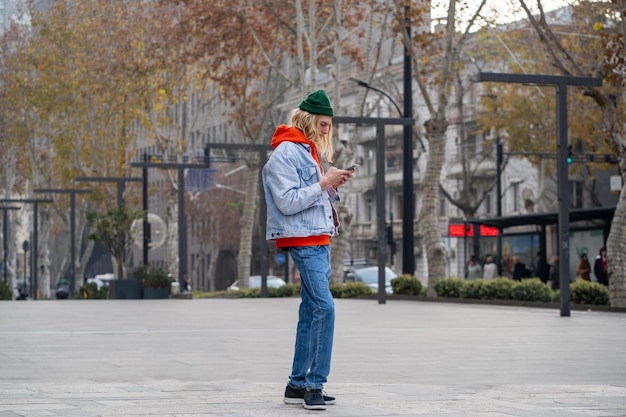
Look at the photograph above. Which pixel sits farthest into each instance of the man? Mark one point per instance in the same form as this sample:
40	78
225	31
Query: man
543	268
301	219
600	268
519	269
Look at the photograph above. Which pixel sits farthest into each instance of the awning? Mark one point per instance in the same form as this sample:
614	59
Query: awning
543	219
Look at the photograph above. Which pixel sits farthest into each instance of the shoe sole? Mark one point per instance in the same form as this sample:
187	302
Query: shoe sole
314	407
299	401
293	401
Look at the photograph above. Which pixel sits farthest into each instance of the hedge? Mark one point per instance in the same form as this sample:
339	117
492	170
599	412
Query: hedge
531	289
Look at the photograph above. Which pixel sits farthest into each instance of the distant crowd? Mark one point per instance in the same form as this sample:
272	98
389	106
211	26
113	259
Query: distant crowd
548	273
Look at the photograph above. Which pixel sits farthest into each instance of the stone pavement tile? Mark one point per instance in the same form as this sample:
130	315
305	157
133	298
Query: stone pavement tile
237	399
229	358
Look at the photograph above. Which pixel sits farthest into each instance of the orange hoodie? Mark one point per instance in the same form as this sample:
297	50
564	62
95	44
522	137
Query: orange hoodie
286	133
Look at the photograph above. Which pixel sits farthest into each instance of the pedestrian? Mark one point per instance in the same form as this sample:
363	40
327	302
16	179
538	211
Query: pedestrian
473	270
302	220
543	268
583	268
554	273
519	269
600	268
490	271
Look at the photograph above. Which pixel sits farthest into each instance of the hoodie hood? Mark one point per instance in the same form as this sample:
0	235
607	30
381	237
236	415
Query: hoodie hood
286	133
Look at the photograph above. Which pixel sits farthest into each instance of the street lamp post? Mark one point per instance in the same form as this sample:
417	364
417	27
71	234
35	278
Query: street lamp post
33	251
499	161
408	237
262	149
182	224
560	82
72	192
381	240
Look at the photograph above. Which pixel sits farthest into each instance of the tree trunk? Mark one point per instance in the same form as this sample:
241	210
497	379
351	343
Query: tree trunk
429	214
172	238
247	223
616	251
43	254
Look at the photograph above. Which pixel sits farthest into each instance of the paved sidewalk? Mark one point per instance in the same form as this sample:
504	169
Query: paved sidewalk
231	357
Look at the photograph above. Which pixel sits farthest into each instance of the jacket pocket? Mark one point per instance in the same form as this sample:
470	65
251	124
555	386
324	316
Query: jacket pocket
308	176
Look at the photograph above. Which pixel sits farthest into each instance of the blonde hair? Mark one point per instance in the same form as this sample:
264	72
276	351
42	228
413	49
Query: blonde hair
307	123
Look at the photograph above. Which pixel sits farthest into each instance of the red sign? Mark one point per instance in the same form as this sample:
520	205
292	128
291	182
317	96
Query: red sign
488	230
467	230
460	230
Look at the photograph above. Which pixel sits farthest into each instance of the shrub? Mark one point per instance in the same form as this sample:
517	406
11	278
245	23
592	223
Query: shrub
5	291
587	292
141	273
256	293
355	289
473	288
336	290
449	287
531	289
90	291
248	293
288	290
406	284
555	296
158	278
498	288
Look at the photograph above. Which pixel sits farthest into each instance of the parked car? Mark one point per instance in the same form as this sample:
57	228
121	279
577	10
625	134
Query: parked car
255	282
369	276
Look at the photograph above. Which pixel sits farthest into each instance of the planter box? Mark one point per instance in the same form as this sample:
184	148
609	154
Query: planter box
156	293
125	289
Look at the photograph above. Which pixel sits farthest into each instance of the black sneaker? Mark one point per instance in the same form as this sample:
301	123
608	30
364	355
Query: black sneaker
314	400
296	396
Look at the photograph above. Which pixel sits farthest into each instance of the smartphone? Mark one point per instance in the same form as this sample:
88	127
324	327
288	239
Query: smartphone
352	167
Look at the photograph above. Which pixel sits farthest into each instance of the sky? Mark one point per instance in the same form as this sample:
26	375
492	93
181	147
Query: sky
503	8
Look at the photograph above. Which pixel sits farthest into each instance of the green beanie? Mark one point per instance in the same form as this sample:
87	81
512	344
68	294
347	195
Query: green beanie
317	103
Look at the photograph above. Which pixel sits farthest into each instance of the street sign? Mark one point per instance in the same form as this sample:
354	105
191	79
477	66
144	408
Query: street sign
616	183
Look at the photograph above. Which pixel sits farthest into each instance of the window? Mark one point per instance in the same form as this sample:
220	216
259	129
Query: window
576	194
516	199
442	205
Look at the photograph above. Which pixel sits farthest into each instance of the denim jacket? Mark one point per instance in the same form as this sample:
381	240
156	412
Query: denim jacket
296	205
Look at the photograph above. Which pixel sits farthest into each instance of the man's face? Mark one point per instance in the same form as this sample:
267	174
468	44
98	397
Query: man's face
323	124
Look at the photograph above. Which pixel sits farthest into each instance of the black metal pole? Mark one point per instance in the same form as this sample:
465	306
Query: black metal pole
560	82
34	252
5	243
564	198
72	242
146	225
380	211
263	224
182	230
72	192
499	161
33	249
408	237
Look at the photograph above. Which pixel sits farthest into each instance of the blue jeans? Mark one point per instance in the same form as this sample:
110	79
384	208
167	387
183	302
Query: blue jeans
316	322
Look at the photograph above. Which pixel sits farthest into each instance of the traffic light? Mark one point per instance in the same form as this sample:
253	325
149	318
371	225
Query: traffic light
389	234
570	155
207	156
393	246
